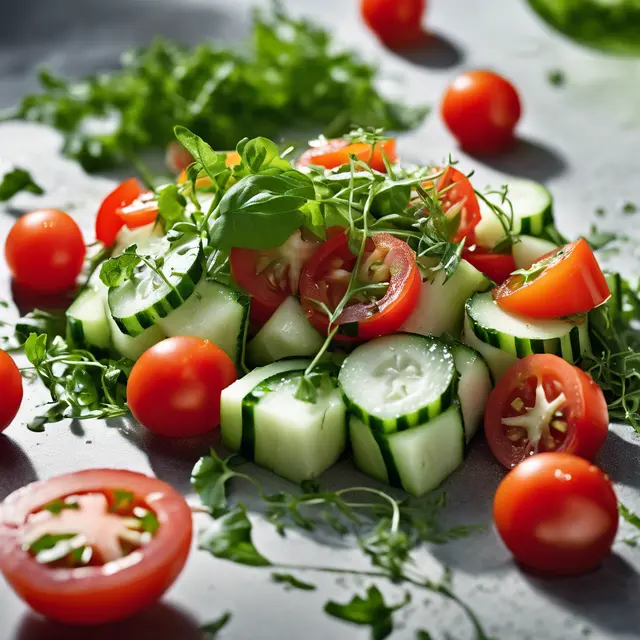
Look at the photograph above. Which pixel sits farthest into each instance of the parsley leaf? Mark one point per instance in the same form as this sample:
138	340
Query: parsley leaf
209	479
292	582
117	271
15	181
211	629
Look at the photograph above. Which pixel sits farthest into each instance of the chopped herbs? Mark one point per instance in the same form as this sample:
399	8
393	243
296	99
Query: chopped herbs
556	77
292	582
633	519
16	181
630	208
211	629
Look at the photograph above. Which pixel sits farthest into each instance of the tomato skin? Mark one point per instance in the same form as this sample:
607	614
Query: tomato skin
496	266
174	388
572	283
459	190
338	152
96	594
585	410
108	222
397	23
142	211
45	251
557	514
481	109
11	385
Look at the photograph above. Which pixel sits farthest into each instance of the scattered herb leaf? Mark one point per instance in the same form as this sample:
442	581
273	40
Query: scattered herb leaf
211	629
291	581
16	181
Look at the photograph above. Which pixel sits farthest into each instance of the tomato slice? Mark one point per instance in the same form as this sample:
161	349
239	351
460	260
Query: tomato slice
100	591
108	222
496	266
326	277
562	283
142	211
543	403
337	152
557	514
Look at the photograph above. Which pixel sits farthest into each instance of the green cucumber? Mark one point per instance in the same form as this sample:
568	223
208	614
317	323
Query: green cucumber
129	346
145	238
498	361
530	250
87	323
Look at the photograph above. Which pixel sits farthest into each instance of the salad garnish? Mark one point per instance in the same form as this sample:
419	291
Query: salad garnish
15	181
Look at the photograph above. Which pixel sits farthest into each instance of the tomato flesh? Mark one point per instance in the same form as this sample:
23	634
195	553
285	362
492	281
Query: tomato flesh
557	514
397	23
563	283
142	211
11	385
108	222
338	152
496	266
541	404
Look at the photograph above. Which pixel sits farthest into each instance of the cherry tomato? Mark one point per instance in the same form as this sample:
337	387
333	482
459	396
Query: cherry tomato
11	386
397	23
142	211
386	260
562	283
108	222
177	157
543	403
481	110
45	251
338	152
496	266
113	584
557	514
174	388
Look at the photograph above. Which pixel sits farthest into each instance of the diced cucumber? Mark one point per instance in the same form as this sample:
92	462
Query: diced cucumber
532	212
286	334
497	360
297	440
232	397
129	346
522	336
441	304
398	381
213	312
530	250
147	297
87	322
417	460
144	238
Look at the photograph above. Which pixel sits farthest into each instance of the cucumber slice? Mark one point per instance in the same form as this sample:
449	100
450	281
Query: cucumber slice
287	333
417	460
232	397
532	212
530	250
522	336
213	312
140	302
145	238
132	347
398	381
297	440
497	360
87	323
441	304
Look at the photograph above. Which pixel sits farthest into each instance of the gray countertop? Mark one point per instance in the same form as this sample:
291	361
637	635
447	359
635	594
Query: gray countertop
581	139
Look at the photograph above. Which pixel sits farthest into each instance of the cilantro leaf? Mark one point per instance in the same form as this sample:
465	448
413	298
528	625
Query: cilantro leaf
15	181
292	582
211	629
209	479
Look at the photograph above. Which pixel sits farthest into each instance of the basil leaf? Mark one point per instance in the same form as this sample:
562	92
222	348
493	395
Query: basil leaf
16	181
171	206
259	156
291	581
209	479
211	629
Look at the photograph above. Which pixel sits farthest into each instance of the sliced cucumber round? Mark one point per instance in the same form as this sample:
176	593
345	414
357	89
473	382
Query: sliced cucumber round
398	381
530	250
498	361
150	295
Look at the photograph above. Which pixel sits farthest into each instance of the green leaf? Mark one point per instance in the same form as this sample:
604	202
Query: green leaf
59	505
211	629
629	516
599	239
229	537
117	271
171	206
291	581
122	500
209	479
16	181
149	522
260	155
214	164
35	348
40	322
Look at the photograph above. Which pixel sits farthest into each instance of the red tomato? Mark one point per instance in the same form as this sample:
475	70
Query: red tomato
45	251
11	394
496	266
557	513
177	157
174	388
397	23
562	283
101	591
543	403
326	277
142	211
108	222
336	153
481	110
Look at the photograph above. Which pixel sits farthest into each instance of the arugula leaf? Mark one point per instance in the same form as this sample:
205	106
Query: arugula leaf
291	581
209	479
211	629
370	610
15	181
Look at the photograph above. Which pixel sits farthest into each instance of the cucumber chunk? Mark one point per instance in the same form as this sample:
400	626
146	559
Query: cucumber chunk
213	312
133	347
287	333
87	322
398	381
441	304
497	360
417	460
145	238
530	250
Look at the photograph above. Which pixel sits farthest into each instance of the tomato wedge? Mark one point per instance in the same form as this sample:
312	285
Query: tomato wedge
562	283
543	403
108	222
325	279
142	211
496	266
124	572
337	152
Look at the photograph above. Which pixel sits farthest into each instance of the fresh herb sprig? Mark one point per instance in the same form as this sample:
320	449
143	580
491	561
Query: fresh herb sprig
15	181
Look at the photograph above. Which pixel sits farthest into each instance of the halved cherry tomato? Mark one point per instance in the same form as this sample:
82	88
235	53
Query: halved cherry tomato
543	403
174	388
142	211
557	514
11	394
233	159
45	251
108	222
115	584
326	277
337	152
496	266
562	283
481	110
397	23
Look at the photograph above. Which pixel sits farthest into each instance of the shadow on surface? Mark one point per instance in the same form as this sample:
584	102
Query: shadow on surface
434	51
160	621
17	469
619	458
27	299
